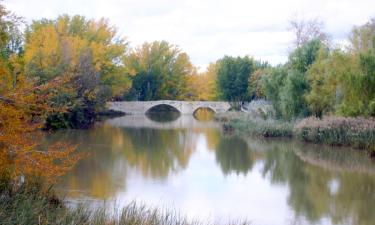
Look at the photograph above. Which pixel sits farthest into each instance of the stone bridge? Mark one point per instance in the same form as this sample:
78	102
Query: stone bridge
184	107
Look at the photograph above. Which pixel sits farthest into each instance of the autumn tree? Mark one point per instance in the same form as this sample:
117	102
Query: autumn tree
203	86
23	108
159	70
87	50
343	82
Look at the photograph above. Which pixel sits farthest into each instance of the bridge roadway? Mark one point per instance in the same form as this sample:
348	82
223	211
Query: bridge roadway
184	107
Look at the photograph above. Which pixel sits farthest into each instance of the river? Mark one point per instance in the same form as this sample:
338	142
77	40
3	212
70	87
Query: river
192	167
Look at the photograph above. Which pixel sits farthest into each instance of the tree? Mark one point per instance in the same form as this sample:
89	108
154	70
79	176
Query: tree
272	82
303	57
307	30
343	82
292	102
161	69
203	86
11	36
22	111
54	47
255	89
321	97
87	51
362	37
232	77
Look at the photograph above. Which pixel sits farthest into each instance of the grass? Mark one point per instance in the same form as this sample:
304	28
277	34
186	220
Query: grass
31	204
256	126
339	131
355	132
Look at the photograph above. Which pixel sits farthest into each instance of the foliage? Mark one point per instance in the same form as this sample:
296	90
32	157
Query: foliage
89	52
10	34
22	111
159	71
292	102
287	86
203	85
24	105
342	84
232	77
302	58
254	88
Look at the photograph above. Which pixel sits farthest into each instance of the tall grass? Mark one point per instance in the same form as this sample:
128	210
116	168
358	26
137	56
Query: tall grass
31	204
331	130
256	126
355	132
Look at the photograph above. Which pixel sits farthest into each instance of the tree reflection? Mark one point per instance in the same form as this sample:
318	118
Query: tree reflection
311	194
101	174
322	183
158	152
233	155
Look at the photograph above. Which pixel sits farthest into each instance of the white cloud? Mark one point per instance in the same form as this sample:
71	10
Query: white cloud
209	29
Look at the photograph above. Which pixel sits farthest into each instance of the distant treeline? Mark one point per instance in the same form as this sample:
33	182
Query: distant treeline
97	65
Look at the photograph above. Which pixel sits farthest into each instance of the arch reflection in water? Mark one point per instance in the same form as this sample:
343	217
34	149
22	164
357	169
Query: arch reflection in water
204	114
188	163
163	113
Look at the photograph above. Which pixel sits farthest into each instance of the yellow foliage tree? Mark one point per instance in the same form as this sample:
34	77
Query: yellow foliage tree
54	47
203	86
22	109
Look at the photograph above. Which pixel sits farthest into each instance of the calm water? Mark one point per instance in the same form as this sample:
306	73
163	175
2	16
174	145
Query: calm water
191	166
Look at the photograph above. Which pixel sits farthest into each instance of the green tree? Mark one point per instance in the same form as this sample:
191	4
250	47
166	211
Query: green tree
232	77
271	84
159	71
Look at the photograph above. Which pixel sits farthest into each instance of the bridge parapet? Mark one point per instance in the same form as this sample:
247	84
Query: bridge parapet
184	107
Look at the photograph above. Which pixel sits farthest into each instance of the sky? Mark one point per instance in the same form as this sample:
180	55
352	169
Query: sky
209	29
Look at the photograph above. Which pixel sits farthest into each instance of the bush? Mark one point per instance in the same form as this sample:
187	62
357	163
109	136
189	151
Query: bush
355	132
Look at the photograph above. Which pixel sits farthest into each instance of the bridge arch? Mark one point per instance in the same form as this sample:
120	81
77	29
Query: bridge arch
167	105
204	107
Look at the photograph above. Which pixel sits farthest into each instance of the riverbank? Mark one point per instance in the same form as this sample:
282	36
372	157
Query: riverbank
30	203
338	131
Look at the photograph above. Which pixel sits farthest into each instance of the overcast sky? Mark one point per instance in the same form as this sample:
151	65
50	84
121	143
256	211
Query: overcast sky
210	29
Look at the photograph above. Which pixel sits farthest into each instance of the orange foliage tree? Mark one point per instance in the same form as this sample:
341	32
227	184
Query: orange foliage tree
22	112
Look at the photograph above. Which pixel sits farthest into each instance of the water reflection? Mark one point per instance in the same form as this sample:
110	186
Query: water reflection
163	117
204	114
233	155
192	166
